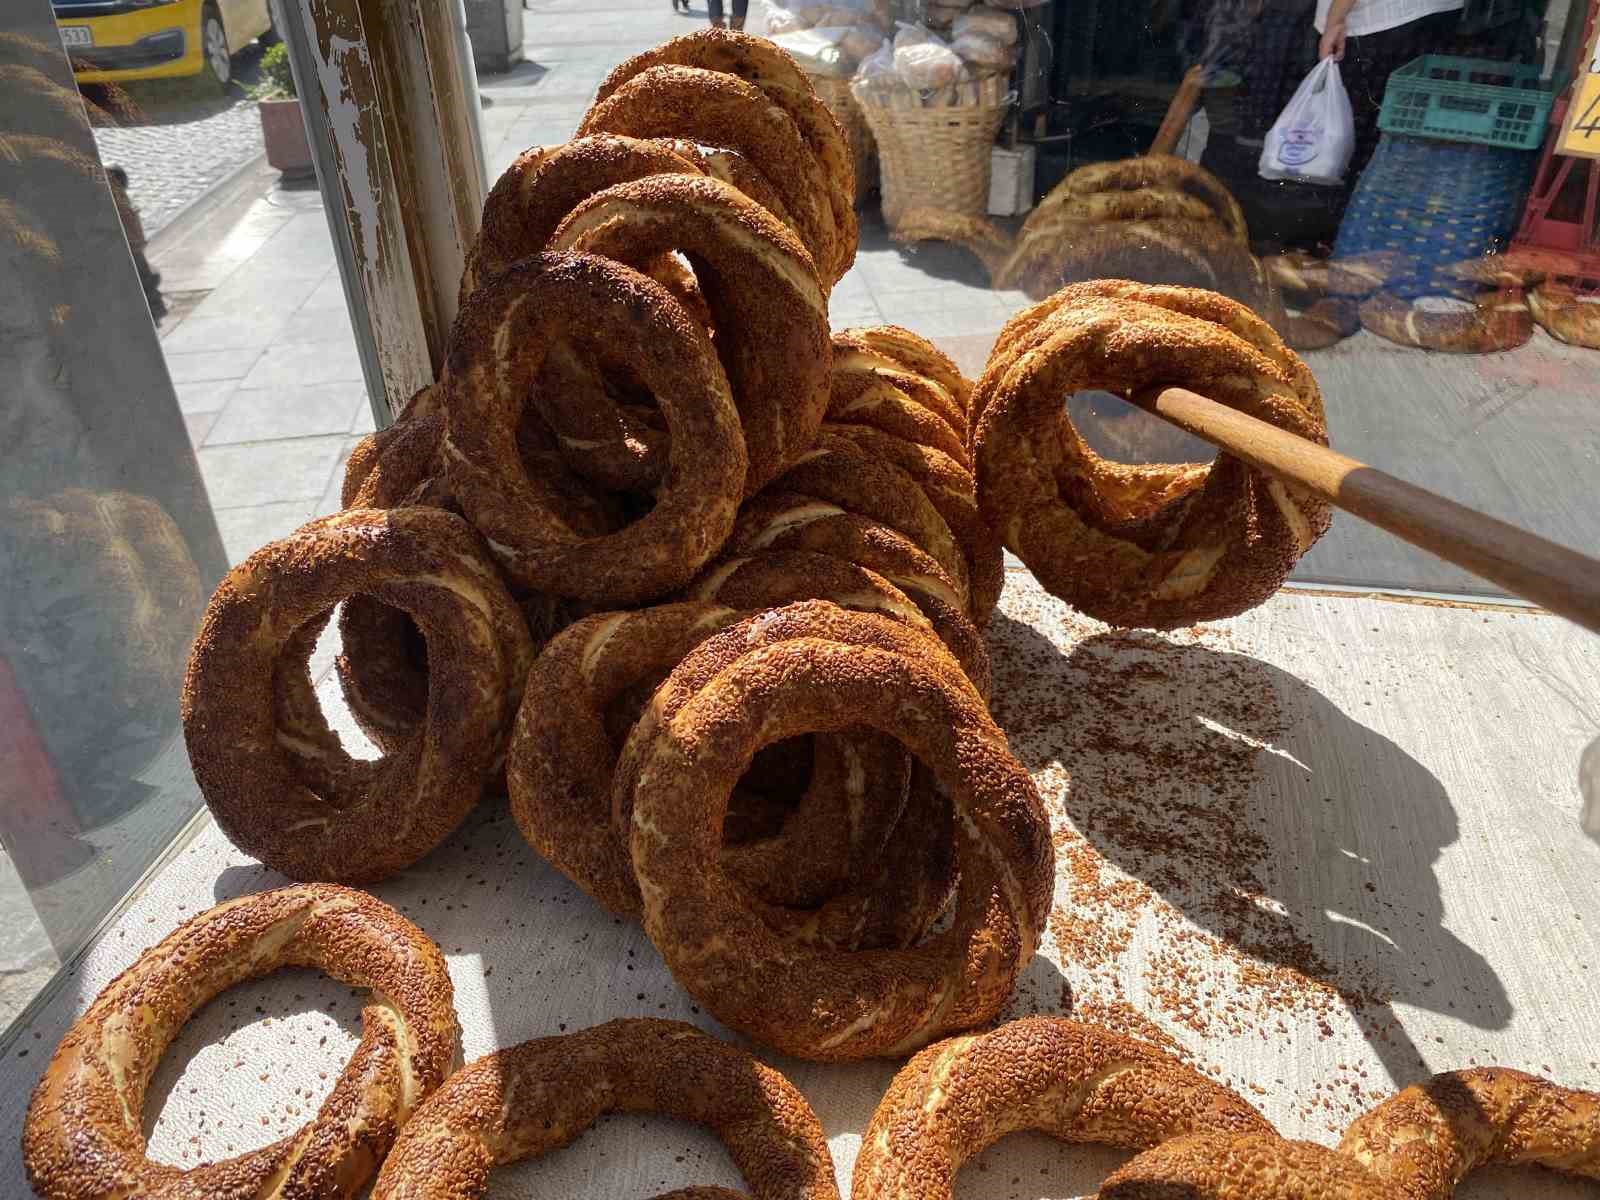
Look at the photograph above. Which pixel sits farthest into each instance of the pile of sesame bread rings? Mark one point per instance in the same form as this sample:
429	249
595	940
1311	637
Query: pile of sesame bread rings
701	584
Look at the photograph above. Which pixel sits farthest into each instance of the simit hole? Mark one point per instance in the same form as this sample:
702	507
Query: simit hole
1121	432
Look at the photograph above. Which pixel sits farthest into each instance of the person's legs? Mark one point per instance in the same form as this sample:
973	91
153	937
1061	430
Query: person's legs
714	7
740	8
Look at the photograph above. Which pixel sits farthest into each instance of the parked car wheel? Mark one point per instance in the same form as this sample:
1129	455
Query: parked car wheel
214	47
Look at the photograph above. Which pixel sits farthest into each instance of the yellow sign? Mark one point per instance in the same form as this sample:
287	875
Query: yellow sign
1580	136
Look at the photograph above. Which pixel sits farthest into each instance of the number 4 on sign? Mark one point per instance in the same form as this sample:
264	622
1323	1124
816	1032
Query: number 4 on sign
1582	133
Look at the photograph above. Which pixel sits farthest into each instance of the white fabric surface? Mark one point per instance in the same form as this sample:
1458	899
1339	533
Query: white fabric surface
1430	752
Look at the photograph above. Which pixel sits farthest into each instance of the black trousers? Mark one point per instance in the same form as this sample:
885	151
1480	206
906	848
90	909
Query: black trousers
740	8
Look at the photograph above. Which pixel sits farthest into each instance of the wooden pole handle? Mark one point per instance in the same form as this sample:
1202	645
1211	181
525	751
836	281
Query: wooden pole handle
1179	111
1523	563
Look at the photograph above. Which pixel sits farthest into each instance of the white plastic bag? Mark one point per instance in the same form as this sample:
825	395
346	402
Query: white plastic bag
1314	137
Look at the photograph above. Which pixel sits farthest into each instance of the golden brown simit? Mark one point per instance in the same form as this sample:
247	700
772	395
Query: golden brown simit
812	668
601	308
1077	1082
759	62
564	754
83	1136
717	109
273	773
525	1102
762	293
1160	545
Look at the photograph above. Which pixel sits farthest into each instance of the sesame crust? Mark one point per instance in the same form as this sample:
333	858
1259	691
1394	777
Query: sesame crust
718	109
759	62
82	1138
541	1095
1157	546
273	774
809	668
496	351
760	288
1077	1082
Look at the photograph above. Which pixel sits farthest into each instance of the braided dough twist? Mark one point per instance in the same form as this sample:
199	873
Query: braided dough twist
812	668
1161	545
273	773
82	1138
1497	321
1562	314
525	1102
497	348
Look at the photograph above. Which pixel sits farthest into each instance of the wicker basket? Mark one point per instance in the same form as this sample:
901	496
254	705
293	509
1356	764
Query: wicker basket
1433	204
933	155
835	93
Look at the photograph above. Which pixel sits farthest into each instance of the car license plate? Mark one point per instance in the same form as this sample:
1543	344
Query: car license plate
77	35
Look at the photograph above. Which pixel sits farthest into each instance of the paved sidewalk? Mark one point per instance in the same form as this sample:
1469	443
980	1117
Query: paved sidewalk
179	138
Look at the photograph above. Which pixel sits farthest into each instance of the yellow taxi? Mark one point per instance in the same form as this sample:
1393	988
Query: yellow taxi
119	40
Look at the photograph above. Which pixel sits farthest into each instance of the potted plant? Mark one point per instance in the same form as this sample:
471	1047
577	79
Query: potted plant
282	126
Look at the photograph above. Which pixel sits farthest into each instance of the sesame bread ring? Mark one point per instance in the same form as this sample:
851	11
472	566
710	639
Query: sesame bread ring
766	304
563	755
83	1137
496	351
854	357
543	184
774	577
525	1102
780	521
951	489
860	395
913	353
1077	1082
811	668
721	110
1149	171
1250	1166
1159	545
273	773
758	61
1145	204
837	471
1426	1139
1495	322
1562	314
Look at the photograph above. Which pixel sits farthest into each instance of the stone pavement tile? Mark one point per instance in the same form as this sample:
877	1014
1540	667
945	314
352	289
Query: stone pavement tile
208	364
252	473
320	325
199	424
329	294
260	414
302	247
856	311
259	289
950	309
204	395
246	530
363	422
245	332
296	364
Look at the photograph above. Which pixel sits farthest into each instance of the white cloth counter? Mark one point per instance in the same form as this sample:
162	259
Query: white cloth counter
1398	779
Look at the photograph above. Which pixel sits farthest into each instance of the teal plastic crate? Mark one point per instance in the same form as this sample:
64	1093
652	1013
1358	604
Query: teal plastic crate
1467	100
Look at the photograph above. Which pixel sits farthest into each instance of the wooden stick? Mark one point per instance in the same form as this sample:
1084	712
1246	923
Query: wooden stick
1179	111
1523	563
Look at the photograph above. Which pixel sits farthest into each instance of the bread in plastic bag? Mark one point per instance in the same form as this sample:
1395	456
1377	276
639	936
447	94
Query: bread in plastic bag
983	51
878	67
927	65
817	51
990	22
781	20
861	41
